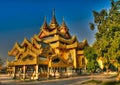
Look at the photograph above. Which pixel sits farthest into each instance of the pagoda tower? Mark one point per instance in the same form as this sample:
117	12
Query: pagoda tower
53	51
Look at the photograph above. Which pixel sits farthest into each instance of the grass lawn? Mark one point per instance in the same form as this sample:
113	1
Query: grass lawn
111	83
98	82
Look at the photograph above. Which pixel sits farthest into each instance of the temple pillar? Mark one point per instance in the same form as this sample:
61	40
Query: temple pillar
14	72
50	69
37	71
48	72
24	71
54	71
74	56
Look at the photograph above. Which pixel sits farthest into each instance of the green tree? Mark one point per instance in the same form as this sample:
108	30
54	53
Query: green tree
1	61
91	56
107	44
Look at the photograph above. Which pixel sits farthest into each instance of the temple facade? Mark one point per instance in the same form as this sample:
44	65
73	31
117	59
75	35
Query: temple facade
51	53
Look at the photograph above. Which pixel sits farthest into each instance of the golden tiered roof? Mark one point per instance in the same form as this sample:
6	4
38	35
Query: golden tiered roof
61	38
51	36
54	29
25	49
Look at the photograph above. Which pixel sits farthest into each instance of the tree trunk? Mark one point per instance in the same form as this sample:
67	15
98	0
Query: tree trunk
92	76
118	77
107	70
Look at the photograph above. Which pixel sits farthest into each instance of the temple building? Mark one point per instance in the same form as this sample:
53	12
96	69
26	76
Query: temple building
54	52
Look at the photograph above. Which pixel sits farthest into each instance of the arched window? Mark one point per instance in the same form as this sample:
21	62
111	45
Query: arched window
56	60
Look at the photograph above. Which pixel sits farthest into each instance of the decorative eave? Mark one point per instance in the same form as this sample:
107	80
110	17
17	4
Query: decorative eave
43	34
28	52
21	62
61	39
74	45
67	41
73	39
36	37
35	42
53	32
26	41
82	44
85	42
16	47
61	63
58	44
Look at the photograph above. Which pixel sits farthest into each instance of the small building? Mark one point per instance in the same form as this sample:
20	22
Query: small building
51	53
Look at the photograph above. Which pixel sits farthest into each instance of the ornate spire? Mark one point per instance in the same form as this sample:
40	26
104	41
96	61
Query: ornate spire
53	23
53	13
44	19
64	29
63	23
45	25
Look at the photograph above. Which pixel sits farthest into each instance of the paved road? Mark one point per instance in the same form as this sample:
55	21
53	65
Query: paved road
6	80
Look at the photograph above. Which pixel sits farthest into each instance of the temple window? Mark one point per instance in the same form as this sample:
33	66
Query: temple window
28	57
56	60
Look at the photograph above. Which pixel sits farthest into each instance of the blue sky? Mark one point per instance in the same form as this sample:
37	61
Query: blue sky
23	18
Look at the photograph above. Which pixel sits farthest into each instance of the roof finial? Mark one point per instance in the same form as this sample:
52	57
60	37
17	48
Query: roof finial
45	18
53	11
53	23
63	19
63	22
45	23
